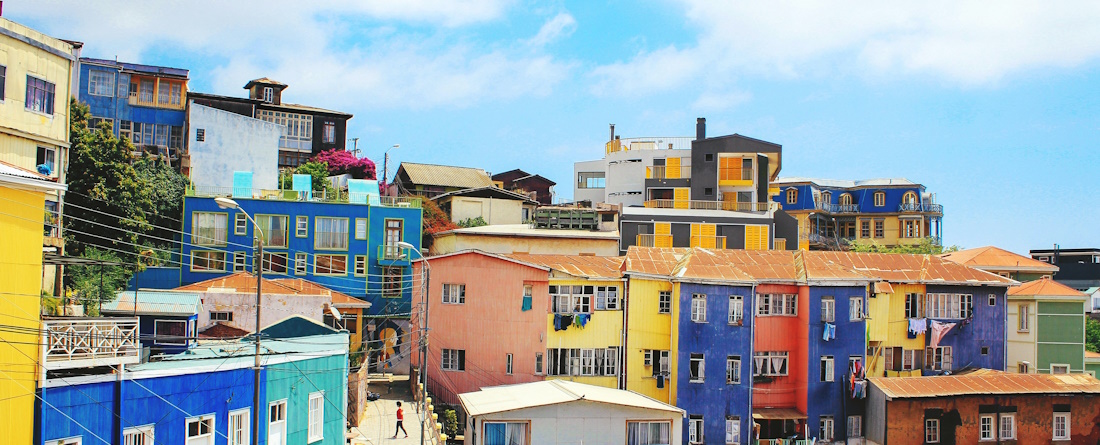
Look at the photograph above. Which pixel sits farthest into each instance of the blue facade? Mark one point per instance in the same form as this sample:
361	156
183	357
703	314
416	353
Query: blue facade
985	331
834	398
105	86
156	278
862	197
382	264
716	339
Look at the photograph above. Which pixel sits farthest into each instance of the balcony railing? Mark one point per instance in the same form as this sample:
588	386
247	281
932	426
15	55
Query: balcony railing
86	342
318	196
155	102
707	205
393	255
920	207
780	244
708	242
666	172
837	208
650	240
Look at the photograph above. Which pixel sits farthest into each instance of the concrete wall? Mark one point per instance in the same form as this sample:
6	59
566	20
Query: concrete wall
494	211
275	307
232	143
453	242
577	422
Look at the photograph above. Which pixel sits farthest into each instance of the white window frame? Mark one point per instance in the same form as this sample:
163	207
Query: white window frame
855	309
828	309
695	429
241	421
699	308
240	224
985	428
301	226
855	426
217	237
768	360
240	261
733	430
664	302
1023	315
103	86
281	422
316	417
645	426
827	427
1056	368
451	360
908	359
1065	418
699	361
733	369
454	293
138	435
221	315
829	362
200	439
932	430
538	363
269	95
1006	426
170	342
361	265
301	263
737	310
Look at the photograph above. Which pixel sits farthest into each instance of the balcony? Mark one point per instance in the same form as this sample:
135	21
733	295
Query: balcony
708	242
393	255
144	100
707	205
86	342
836	208
666	172
318	196
649	240
914	207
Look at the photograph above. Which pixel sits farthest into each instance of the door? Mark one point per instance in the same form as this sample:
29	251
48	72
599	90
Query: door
276	426
394	235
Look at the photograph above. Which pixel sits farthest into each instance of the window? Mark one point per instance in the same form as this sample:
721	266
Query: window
301	226
207	261
330	264
880	228
695	429
938	358
269	94
274	230
1024	322
985	427
538	363
864	228
1022	368
275	262
39	95
1007	429
299	128
583	362
221	316
828	368
508	364
932	430
170	332
394	235
200	134
328	135
588	361
3	82
699	308
696	368
161	136
391	282
855	426
316	429
200	430
528	295
454	360
240	224
1059	369
240	262
912	306
168	93
301	263
949	306
792	196
770	363
571	299
855	309
828	309
175	137
360	228
239	423
360	265
708	191
825	423
208	228
607	297
776	304
142	435
591	180
276	422
733	430
48	157
664	302
733	370
736	310
880	199
510	433
454	293
908	359
658	360
985	350
330	233
1061	426
910	229
826	197
144	90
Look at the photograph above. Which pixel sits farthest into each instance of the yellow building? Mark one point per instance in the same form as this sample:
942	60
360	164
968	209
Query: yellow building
650	346
34	130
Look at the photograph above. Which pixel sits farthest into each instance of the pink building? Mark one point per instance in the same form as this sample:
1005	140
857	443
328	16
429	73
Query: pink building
488	322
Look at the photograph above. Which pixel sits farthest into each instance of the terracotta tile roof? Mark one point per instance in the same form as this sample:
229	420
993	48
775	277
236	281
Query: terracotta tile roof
221	330
246	282
982	383
995	258
577	265
910	268
1046	287
653	260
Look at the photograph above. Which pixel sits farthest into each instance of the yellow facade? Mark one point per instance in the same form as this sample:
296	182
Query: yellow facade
20	287
888	327
648	329
893	230
604	330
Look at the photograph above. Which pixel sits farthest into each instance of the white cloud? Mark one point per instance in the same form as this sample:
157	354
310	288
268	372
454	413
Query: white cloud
562	25
716	101
969	43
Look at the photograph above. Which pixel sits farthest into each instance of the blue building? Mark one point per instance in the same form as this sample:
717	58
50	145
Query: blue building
167	321
205	396
144	103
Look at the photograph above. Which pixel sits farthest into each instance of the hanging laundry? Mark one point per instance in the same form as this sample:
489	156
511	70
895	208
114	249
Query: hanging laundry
660	381
582	320
829	332
832	331
938	331
557	322
566	321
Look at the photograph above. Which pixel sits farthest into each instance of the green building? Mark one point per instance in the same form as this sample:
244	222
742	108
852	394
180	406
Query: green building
1046	328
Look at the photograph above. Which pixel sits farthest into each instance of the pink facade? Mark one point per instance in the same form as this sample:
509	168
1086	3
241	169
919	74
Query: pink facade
475	331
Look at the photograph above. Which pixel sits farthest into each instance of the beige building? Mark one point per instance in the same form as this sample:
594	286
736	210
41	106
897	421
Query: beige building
492	204
522	238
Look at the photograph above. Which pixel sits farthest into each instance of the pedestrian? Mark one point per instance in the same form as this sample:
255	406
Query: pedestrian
400	420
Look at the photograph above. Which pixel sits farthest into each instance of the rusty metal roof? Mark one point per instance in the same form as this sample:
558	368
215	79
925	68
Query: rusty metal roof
910	268
586	266
1046	287
245	282
986	383
995	258
777	414
653	260
446	175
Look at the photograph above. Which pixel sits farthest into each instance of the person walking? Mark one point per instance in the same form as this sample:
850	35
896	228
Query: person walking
400	421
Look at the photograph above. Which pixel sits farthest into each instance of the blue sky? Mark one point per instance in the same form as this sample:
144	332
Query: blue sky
994	109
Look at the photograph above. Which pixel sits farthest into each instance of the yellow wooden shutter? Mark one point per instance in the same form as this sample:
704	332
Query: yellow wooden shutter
662	228
681	196
756	237
672	168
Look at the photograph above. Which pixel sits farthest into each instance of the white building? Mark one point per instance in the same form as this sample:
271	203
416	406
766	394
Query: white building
560	411
619	178
222	142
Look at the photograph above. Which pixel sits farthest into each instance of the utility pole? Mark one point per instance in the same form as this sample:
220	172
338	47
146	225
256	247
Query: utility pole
355	146
259	269
386	163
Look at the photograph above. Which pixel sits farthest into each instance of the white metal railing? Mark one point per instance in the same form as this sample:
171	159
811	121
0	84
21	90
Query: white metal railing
86	342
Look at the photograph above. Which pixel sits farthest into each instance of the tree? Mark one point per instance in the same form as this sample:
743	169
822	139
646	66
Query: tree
318	172
166	189
926	246
92	285
1092	334
344	162
435	221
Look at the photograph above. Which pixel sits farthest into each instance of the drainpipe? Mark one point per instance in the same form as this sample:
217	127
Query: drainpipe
752	350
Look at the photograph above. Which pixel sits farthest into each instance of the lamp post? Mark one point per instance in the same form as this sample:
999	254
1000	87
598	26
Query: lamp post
386	166
423	335
227	203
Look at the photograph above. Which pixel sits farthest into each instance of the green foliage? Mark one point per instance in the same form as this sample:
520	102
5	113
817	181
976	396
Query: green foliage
91	285
1092	334
318	171
926	246
165	187
450	423
50	305
435	221
473	222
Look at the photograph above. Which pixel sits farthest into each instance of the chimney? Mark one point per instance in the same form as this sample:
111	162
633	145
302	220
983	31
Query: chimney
700	128
612	132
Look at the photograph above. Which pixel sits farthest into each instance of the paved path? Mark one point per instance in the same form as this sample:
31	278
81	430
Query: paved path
378	424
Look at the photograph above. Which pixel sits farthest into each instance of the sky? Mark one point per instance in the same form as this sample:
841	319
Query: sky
993	106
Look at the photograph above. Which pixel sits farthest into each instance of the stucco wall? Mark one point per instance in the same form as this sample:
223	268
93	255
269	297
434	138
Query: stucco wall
493	211
510	244
577	422
275	307
232	143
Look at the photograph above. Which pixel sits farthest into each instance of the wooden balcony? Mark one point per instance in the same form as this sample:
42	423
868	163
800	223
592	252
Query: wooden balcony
81	342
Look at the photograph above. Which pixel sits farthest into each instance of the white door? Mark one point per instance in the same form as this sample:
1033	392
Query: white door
276	425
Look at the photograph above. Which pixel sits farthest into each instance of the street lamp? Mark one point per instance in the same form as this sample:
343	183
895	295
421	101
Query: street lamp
423	334
386	165
227	203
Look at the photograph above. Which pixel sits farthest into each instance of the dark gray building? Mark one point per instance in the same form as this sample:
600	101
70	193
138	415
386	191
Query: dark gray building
1077	268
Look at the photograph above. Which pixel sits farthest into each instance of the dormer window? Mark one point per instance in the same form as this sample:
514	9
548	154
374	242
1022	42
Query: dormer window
269	94
792	196
826	197
880	199
846	199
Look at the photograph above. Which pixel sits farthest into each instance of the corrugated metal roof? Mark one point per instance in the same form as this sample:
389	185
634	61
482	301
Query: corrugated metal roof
653	260
909	268
1046	287
137	67
983	383
446	175
586	266
777	414
150	302
245	282
497	399
990	257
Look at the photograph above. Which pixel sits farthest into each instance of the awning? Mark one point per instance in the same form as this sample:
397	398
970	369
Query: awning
777	414
882	287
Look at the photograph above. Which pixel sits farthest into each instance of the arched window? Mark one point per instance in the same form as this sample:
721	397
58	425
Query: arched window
909	198
880	199
827	197
846	199
792	196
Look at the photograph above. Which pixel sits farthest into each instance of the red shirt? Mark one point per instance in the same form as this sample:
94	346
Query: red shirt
400	414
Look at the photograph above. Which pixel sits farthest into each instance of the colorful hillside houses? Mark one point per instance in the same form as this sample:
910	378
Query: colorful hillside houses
1046	328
